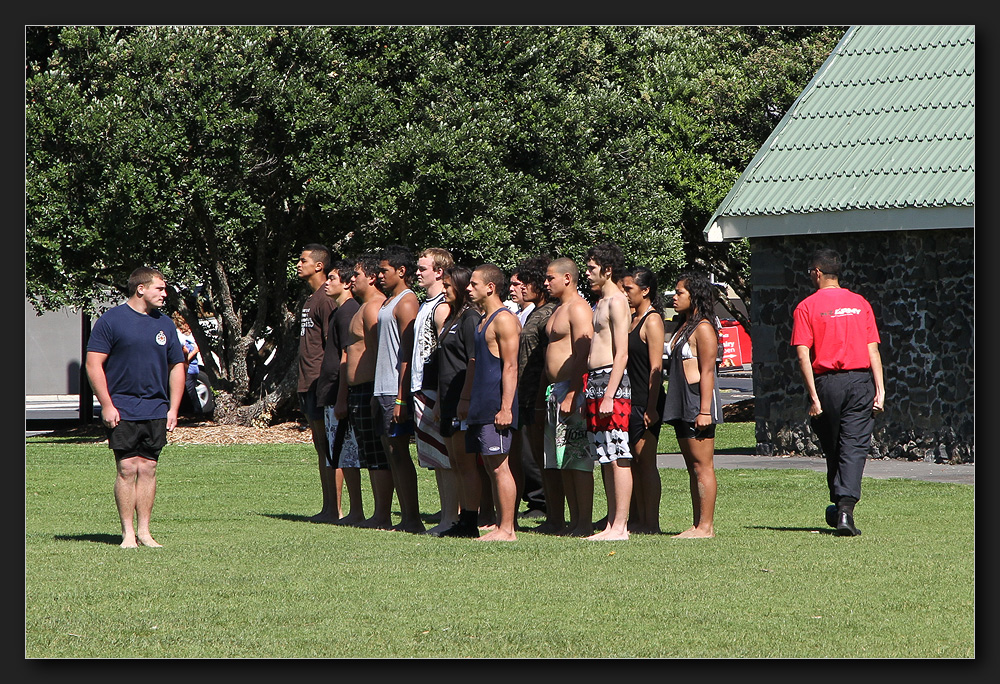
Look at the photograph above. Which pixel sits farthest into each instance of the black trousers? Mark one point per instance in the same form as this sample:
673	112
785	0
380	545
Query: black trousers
845	428
191	389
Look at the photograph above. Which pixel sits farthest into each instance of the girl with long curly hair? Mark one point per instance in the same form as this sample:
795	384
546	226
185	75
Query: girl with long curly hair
692	402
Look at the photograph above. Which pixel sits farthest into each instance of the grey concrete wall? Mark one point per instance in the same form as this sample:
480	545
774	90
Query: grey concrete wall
921	285
52	351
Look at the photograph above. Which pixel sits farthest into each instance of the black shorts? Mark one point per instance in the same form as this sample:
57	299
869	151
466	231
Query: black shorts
383	406
145	438
449	426
685	430
525	417
637	425
307	402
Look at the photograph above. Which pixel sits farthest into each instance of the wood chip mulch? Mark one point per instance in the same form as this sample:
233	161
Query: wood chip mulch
739	412
208	432
205	432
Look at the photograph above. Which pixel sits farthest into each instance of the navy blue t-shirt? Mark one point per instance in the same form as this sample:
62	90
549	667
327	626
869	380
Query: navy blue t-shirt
141	351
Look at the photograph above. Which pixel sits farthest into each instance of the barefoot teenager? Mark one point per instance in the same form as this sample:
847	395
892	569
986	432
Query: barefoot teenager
135	364
491	412
692	403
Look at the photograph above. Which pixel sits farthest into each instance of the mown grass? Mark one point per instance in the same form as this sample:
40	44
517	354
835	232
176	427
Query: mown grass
243	574
729	437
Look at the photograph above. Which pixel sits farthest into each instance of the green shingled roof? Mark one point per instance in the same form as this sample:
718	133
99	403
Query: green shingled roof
882	138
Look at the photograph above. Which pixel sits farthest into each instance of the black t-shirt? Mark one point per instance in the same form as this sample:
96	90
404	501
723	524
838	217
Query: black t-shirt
329	375
456	345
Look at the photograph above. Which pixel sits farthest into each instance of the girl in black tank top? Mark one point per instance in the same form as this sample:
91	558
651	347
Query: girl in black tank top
644	359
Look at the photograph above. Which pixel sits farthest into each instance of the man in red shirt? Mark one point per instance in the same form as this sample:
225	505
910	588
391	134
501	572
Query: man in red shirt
836	340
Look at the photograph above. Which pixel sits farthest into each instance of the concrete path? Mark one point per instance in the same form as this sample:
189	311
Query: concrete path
877	468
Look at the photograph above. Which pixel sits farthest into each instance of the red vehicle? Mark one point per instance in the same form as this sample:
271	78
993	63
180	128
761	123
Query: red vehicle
736	344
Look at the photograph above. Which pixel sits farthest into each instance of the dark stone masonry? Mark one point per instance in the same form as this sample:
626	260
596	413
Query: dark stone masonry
921	285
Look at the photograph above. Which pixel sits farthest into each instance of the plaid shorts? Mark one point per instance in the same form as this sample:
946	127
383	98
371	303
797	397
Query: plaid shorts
371	453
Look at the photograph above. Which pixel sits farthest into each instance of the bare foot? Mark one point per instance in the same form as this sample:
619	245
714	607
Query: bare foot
129	543
441	527
487	527
147	540
498	535
695	533
550	528
351	520
413	528
373	524
609	535
323	517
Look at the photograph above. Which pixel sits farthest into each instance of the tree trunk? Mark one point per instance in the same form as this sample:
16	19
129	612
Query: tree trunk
277	406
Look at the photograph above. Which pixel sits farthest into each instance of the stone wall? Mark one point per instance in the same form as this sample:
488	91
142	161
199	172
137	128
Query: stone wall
921	285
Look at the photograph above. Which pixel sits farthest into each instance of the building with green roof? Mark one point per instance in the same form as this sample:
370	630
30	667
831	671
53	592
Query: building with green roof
875	159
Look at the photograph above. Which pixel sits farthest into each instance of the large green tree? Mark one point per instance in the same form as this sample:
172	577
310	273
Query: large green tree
215	153
725	88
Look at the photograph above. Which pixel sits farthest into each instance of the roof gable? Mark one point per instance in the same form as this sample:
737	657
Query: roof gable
882	138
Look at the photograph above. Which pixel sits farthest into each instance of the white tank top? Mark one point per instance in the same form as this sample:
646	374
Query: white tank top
424	340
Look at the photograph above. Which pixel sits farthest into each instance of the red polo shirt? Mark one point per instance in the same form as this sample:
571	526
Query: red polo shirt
837	325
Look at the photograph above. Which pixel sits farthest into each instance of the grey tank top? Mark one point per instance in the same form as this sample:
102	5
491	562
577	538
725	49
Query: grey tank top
387	362
683	399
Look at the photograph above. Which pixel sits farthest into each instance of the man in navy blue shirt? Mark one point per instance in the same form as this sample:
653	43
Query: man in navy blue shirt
135	364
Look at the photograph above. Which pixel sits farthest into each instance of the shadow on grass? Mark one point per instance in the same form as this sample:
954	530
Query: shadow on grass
83	434
821	530
294	517
115	539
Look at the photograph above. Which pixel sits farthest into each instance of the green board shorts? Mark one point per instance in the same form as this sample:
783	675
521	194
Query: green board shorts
566	446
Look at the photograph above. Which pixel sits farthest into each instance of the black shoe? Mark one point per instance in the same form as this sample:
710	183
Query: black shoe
845	525
460	529
831	515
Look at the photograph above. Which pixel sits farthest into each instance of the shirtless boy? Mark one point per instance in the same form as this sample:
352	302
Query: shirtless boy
607	393
569	330
354	400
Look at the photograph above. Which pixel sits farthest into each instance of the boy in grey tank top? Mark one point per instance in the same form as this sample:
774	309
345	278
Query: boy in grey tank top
392	378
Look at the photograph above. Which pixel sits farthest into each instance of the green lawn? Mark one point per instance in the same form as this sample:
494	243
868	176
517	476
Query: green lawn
243	574
731	437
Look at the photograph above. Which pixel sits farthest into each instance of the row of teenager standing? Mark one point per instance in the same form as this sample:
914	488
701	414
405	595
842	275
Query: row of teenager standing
511	387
